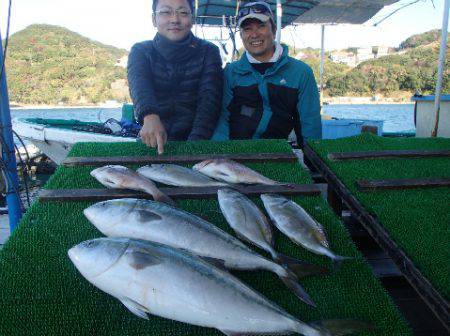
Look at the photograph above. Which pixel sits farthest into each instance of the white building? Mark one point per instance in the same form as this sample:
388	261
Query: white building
364	54
122	62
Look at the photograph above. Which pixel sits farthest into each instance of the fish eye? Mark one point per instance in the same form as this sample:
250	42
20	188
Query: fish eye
91	244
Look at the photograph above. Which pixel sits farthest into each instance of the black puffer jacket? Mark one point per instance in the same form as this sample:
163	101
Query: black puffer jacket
186	96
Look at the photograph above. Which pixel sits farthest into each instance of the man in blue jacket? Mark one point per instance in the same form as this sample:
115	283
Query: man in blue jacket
267	94
175	80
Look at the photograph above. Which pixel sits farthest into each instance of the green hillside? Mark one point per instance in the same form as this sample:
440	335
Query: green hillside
50	65
412	69
53	65
421	39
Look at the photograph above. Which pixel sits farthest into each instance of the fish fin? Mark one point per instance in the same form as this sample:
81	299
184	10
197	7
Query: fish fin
243	238
148	216
136	308
219	263
268	234
142	259
299	267
341	327
321	236
298	290
337	261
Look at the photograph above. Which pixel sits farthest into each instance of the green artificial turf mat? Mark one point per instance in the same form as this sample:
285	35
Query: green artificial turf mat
417	219
41	292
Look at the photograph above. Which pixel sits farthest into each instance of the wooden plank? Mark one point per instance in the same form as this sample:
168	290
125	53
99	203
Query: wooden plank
334	201
142	160
374	185
76	195
388	154
437	302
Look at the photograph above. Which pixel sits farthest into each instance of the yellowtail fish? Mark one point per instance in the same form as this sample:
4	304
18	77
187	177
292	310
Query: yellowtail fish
151	278
159	222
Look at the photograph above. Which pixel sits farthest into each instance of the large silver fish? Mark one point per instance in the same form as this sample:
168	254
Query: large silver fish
151	278
231	172
158	222
250	224
120	177
178	176
291	219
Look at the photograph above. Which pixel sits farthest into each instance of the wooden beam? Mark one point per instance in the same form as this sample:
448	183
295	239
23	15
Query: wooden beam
388	154
374	185
142	160
77	195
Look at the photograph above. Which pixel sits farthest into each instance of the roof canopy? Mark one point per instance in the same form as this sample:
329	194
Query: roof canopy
343	11
223	12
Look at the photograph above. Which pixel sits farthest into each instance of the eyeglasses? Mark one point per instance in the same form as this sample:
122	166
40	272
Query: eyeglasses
257	8
169	12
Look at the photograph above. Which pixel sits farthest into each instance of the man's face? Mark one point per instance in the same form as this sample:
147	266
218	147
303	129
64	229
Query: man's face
258	39
173	19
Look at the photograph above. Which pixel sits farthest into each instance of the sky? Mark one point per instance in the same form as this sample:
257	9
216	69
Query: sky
123	23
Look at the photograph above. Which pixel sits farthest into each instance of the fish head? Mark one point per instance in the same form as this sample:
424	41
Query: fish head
94	257
111	176
106	215
202	165
228	193
270	200
151	168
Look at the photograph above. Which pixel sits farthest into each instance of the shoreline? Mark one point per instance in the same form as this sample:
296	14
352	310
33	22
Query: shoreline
325	102
60	107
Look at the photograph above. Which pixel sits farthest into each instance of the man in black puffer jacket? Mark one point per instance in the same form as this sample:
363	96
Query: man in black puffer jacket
176	79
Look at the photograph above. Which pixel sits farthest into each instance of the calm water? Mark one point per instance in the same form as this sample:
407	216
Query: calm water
397	118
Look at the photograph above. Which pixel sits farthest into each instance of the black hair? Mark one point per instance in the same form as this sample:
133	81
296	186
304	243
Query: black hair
190	3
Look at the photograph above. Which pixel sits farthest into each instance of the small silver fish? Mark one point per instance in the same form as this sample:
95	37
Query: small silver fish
291	219
231	172
151	278
120	177
178	176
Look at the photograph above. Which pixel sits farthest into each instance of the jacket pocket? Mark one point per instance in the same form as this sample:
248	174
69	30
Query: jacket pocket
246	109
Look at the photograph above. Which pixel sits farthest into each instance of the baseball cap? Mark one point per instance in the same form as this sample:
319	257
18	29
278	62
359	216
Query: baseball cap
259	10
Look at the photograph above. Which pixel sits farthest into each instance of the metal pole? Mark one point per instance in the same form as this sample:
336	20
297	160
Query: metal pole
322	62
279	16
437	95
195	17
8	154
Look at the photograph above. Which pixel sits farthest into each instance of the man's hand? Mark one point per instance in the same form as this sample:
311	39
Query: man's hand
153	133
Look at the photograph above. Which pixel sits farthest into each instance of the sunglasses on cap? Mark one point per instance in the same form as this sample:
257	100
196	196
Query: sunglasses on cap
257	8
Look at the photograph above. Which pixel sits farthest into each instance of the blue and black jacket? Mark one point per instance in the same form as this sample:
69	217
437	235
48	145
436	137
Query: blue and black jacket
272	104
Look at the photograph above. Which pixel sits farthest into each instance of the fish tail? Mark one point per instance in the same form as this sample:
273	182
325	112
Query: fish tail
290	280
299	267
285	184
161	197
337	261
337	327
